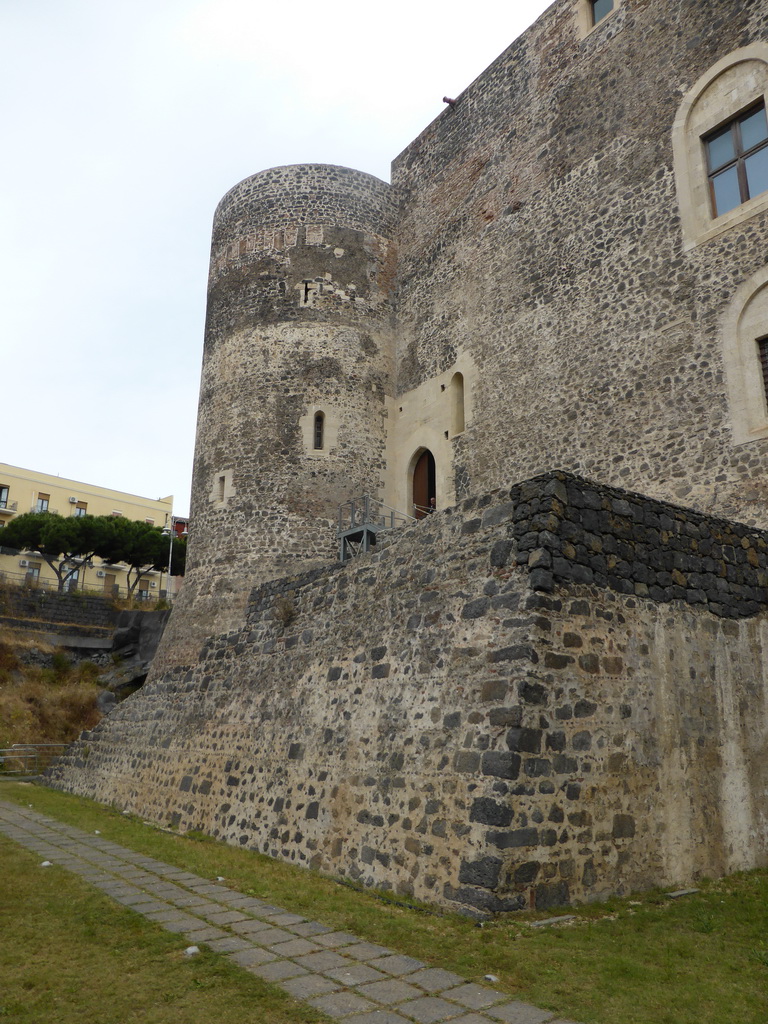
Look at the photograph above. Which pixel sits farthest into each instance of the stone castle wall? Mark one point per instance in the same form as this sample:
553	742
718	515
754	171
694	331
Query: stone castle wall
563	697
541	234
544	694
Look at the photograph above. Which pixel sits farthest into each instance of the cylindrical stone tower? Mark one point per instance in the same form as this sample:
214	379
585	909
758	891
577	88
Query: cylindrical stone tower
297	363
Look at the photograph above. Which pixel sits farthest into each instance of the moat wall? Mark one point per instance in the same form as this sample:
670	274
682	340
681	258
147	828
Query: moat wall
544	695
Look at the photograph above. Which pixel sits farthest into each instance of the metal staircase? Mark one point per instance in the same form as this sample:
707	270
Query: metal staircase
361	520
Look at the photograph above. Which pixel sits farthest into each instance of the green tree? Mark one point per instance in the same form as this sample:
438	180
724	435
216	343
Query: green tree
138	545
66	544
179	557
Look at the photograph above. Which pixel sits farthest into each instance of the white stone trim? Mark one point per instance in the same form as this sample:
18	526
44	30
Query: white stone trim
584	25
746	321
330	431
733	84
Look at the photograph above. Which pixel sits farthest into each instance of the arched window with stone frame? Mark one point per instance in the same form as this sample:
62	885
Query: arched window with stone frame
720	146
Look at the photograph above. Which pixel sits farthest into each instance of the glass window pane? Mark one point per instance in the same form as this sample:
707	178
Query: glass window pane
720	149
754	129
727	196
757	172
600	8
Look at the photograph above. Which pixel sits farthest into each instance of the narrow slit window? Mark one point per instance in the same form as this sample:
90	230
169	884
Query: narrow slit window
737	160
222	481
457	403
319	431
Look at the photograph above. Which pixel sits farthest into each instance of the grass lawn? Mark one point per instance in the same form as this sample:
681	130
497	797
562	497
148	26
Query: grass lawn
69	955
701	959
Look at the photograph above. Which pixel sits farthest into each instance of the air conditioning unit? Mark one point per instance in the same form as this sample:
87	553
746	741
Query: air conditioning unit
73	501
23	562
101	574
153	583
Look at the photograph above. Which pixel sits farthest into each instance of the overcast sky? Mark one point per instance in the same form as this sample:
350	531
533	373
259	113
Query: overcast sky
124	122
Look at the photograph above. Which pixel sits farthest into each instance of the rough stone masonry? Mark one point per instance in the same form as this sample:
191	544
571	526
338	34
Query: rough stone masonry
543	695
545	692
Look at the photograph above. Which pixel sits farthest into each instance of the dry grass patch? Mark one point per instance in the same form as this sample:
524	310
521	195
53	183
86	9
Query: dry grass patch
44	705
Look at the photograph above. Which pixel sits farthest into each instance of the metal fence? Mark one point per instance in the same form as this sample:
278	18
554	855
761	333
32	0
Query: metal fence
42	585
29	758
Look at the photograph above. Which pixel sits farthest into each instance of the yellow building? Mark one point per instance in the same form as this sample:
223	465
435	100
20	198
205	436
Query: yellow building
23	490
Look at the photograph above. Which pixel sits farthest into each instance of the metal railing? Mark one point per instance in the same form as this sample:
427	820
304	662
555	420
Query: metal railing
29	758
360	520
367	511
51	586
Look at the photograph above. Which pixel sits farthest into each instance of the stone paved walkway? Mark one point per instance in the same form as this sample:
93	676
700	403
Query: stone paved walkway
351	980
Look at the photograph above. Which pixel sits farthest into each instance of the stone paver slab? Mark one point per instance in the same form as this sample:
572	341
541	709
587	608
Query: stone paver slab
309	928
323	962
377	1017
161	916
223	916
267	936
341	1004
251	925
278	971
475	997
296	947
129	899
224	895
151	907
434	979
284	920
396	964
205	934
230	944
389	992
252	957
134	900
308	985
430	1009
520	1013
198	902
355	974
331	940
366	951
472	1018
264	909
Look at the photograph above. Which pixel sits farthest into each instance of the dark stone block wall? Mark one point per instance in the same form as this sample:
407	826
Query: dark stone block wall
51	608
488	712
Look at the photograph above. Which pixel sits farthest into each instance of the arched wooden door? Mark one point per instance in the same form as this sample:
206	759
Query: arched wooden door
424	493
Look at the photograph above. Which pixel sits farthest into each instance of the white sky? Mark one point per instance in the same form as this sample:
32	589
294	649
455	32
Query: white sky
123	124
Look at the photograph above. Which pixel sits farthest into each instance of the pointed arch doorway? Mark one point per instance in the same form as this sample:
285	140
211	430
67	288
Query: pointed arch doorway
423	486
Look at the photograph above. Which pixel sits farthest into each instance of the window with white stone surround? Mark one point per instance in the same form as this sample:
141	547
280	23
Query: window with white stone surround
720	145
